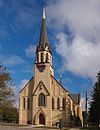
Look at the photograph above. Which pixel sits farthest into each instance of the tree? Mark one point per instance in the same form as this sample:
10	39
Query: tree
6	87
94	113
7	96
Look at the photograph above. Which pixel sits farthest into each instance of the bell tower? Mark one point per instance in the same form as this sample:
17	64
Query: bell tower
43	51
43	65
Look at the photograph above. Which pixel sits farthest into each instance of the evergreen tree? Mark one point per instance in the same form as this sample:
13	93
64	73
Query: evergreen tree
94	113
7	96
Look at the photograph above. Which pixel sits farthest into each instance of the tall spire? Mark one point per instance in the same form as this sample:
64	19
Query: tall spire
43	41
43	35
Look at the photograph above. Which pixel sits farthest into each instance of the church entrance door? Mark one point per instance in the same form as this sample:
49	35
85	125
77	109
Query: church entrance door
41	119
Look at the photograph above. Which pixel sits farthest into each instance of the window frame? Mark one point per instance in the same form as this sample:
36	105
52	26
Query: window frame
58	103
47	57
24	103
40	100
28	103
42	58
53	103
64	103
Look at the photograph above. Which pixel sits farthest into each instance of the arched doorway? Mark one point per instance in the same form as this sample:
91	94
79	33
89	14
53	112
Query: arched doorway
41	119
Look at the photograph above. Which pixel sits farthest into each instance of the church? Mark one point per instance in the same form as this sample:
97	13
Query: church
43	100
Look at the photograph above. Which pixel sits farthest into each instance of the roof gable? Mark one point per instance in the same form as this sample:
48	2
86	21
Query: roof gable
40	111
39	87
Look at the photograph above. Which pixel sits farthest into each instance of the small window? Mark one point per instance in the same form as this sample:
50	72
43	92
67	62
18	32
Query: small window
28	103
24	103
46	57
63	103
58	103
52	103
41	57
42	100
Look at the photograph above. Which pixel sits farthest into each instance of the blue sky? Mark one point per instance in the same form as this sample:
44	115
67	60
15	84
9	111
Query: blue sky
73	31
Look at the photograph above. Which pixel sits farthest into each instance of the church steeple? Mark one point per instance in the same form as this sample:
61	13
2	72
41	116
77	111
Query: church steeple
43	41
43	52
43	35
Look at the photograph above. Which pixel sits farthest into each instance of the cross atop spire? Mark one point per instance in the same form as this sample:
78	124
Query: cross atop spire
43	13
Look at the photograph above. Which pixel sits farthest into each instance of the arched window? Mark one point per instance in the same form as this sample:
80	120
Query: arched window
41	57
53	103
58	103
46	57
42	100
24	103
63	103
28	103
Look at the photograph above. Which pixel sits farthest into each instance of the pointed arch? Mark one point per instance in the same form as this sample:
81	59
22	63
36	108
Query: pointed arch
41	119
42	100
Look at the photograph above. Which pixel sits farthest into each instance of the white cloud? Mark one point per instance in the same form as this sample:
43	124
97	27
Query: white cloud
18	89
81	57
11	60
30	51
83	99
82	18
83	103
23	83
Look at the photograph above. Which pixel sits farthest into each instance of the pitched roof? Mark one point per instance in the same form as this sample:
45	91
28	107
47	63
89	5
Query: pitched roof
75	97
59	83
26	84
